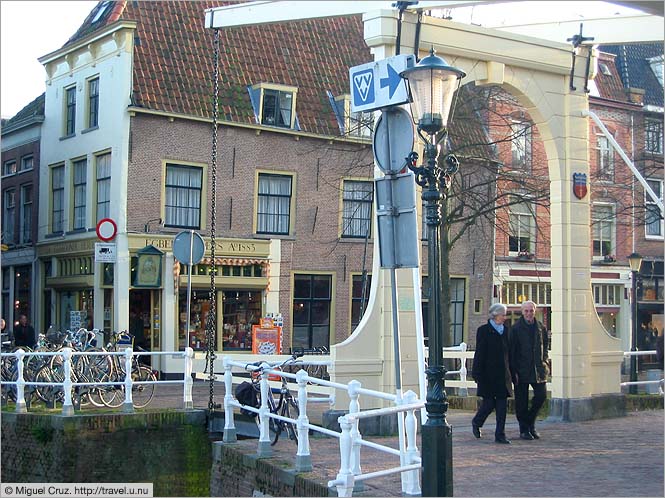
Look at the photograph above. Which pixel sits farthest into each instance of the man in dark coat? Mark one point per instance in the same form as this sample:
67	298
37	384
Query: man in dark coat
491	371
530	367
24	334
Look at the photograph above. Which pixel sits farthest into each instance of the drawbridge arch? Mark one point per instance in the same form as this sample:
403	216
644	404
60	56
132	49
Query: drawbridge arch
586	359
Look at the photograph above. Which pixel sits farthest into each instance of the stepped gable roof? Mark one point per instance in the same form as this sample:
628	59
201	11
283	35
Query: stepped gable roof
34	111
609	85
173	60
635	70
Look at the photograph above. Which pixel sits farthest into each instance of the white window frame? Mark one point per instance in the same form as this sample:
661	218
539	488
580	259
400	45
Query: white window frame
656	185
605	160
597	225
61	190
653	135
521	145
68	132
524	217
279	91
93	102
79	193
356	209
24	161
102	206
6	171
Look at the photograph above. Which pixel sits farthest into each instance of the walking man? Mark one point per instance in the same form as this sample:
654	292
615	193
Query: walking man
24	334
530	368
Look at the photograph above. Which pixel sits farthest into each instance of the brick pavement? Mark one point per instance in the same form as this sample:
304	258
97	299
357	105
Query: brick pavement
610	457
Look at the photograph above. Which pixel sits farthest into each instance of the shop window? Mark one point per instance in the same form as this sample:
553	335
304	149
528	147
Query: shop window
22	289
515	293
103	178
602	219
654	220
184	186
359	297
80	173
240	310
357	199
9	216
274	204
57	198
312	301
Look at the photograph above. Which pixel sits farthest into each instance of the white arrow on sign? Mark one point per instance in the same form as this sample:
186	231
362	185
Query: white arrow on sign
377	84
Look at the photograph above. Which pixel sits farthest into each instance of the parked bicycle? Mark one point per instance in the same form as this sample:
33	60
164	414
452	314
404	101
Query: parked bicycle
284	405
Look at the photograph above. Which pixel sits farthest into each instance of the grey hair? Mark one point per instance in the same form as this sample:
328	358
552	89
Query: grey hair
497	309
524	303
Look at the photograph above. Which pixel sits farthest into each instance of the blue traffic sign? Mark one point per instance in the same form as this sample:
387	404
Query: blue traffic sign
377	84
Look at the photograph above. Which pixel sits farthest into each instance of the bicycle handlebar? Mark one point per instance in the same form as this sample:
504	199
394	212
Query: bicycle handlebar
259	364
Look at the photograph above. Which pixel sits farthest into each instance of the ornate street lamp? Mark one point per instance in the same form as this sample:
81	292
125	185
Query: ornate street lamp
432	84
635	261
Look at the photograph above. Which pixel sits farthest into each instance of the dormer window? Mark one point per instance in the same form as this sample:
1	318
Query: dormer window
656	64
353	124
101	10
274	105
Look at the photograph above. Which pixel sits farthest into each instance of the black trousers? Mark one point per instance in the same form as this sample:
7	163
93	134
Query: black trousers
486	407
526	416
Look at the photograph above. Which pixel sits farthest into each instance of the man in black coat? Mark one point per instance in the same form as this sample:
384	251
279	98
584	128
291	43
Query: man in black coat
530	367
491	371
24	334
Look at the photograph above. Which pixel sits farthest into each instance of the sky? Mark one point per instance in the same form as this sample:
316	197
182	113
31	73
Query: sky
31	29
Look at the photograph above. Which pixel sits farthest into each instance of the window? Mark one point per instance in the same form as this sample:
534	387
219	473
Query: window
311	310
70	111
93	103
360	124
656	64
515	293
522	238
274	204
80	172
277	108
604	157
607	298
653	135
8	216
359	297
357	209
103	174
654	220
602	219
183	196
9	168
457	299
25	230
57	198
26	163
520	146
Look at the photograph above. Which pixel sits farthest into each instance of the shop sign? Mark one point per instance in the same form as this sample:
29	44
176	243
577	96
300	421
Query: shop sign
105	252
266	340
148	272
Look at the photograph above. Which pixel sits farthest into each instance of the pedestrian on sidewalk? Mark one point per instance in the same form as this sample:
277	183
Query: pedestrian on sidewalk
491	371
530	365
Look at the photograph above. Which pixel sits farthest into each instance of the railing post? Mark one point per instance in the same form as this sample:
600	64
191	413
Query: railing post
20	383
128	405
229	426
303	457
462	373
187	381
345	478
264	434
412	477
354	407
67	407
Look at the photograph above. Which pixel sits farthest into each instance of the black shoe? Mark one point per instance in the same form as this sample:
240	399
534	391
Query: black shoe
526	436
476	431
501	440
534	433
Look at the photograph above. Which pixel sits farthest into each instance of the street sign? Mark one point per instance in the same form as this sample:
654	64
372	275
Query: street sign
105	252
106	229
378	84
188	248
393	140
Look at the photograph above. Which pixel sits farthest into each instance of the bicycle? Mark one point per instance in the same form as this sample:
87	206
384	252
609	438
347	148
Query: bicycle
285	406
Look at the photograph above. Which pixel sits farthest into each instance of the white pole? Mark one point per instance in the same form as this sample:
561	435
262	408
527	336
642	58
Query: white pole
189	284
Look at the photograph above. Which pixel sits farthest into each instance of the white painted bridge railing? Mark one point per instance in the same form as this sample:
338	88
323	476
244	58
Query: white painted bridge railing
660	382
68	384
350	439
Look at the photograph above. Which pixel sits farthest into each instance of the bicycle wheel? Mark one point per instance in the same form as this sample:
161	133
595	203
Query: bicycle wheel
142	393
290	410
112	396
49	394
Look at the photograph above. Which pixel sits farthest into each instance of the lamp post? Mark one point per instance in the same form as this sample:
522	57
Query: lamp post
432	83
635	261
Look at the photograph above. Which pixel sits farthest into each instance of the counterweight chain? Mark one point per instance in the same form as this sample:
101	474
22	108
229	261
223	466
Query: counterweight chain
211	323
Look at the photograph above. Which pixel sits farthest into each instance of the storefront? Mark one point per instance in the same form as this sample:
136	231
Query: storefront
650	319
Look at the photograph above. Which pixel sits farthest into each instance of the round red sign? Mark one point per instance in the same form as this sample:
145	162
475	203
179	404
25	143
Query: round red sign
106	229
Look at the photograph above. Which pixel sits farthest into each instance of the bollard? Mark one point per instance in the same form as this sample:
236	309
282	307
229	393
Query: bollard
463	391
128	405
411	479
354	407
67	407
230	435
20	384
187	381
265	449
303	457
345	478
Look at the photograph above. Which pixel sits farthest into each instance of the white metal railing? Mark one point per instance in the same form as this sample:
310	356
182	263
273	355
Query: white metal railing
350	438
68	385
660	383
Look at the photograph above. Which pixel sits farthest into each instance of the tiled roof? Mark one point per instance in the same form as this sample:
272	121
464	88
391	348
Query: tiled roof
609	85
173	60
34	109
635	71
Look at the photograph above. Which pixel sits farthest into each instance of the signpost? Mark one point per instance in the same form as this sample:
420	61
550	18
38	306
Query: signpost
378	84
106	229
188	249
105	252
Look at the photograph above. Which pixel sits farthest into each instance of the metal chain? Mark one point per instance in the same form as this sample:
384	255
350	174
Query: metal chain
211	323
